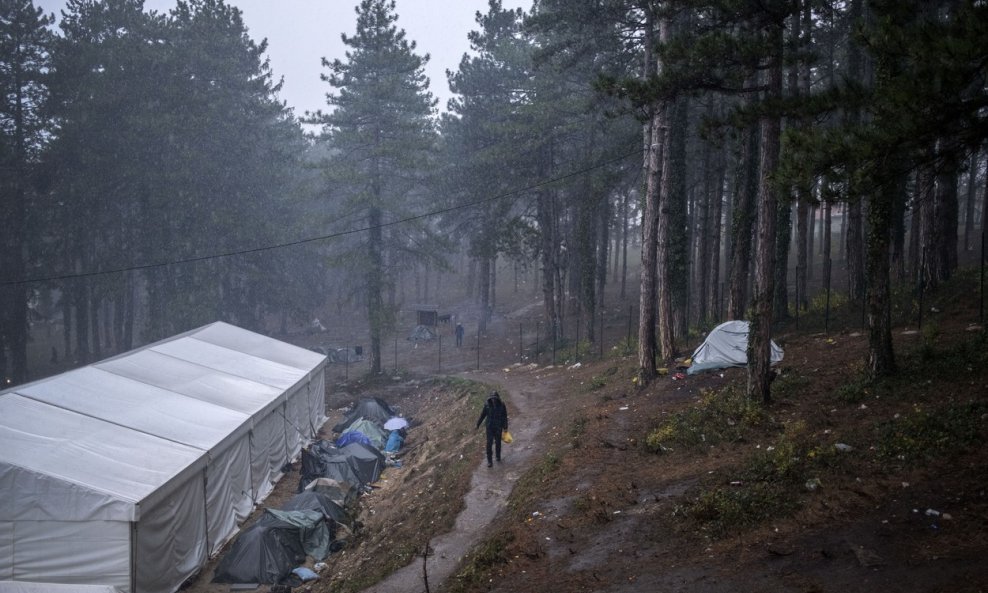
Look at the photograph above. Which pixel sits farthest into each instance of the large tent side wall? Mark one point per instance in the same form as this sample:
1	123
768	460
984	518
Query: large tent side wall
268	452
6	550
228	492
317	398
171	539
79	552
297	420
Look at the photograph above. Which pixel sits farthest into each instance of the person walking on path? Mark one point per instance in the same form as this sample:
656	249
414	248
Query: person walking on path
459	334
496	415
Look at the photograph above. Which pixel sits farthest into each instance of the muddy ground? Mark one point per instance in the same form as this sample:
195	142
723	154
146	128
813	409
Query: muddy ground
583	502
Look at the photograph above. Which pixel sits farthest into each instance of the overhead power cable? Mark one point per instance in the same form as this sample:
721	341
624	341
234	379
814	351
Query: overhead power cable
272	247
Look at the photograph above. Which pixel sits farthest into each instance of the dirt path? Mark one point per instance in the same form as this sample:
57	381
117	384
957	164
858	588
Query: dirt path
528	401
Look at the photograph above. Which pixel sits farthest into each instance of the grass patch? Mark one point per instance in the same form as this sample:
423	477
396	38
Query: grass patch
932	432
769	485
479	563
720	416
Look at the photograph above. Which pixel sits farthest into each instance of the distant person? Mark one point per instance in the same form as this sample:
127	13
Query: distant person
497	420
459	334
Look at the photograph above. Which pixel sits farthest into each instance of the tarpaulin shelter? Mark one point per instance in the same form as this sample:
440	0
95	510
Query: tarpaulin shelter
370	429
157	454
366	461
352	436
266	552
309	500
374	409
726	346
341	493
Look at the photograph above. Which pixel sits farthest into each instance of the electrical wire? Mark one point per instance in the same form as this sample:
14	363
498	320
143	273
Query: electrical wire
326	237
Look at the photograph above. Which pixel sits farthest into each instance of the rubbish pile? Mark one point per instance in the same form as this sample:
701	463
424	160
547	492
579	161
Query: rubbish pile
313	523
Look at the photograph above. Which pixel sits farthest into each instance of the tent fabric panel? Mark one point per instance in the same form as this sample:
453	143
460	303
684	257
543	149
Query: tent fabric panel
268	452
317	399
77	552
143	407
242	340
54	499
26	587
228	488
171	539
232	362
6	550
121	463
298	424
194	380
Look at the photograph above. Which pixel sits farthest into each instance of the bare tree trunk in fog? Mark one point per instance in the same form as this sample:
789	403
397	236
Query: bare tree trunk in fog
484	271
545	214
802	247
716	232
972	179
624	244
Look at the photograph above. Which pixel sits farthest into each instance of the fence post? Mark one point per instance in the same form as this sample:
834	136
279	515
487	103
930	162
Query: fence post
538	326
346	362
478	348
521	353
396	354
630	309
601	336
577	337
440	354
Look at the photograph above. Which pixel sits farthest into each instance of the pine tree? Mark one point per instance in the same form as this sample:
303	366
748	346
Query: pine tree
24	56
381	130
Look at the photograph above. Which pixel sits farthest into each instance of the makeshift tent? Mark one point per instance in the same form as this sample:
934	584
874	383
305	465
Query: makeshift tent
371	408
365	461
266	552
395	441
369	429
726	346
309	500
352	436
339	492
157	454
422	333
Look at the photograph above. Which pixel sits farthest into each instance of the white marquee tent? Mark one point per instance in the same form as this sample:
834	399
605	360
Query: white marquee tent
131	471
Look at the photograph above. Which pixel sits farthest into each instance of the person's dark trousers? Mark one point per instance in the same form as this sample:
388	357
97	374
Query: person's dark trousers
493	438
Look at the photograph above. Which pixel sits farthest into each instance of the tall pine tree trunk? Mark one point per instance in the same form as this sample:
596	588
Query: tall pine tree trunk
746	194
716	231
654	143
760	333
375	285
881	357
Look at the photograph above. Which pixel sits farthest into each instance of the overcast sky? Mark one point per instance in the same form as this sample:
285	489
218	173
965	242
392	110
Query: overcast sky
301	32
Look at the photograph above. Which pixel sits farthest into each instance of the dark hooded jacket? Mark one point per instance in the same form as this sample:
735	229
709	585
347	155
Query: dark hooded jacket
495	413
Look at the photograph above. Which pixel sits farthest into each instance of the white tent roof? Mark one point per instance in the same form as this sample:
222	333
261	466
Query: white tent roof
111	435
